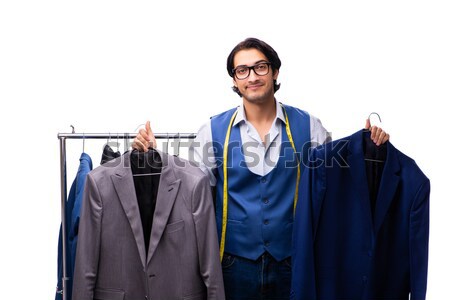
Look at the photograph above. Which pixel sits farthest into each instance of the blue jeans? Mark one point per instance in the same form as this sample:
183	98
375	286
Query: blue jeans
263	279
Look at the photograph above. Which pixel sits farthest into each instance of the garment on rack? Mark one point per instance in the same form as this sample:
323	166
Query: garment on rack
108	154
72	212
146	169
182	261
345	246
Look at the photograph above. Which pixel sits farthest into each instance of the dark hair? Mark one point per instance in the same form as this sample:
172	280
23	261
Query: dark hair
267	50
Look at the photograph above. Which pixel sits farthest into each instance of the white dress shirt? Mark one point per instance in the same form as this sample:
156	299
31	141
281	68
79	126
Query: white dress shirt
260	157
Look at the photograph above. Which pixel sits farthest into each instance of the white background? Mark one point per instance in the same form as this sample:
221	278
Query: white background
108	66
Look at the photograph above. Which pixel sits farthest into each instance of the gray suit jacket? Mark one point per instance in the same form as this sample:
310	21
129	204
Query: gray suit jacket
183	256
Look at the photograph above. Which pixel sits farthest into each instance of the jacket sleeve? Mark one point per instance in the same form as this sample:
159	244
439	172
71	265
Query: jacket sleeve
75	218
207	241
88	247
419	232
303	284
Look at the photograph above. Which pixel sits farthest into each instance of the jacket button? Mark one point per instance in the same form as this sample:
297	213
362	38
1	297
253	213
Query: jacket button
266	222
263	180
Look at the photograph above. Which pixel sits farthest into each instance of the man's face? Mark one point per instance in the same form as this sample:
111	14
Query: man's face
255	88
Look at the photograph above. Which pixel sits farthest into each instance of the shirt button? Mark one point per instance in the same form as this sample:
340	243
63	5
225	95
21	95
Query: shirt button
266	222
266	244
266	200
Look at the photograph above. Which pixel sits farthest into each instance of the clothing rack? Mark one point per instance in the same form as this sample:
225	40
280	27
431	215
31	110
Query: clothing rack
62	150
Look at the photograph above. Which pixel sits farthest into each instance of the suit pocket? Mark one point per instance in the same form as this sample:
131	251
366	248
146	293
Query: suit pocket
198	296
101	294
175	226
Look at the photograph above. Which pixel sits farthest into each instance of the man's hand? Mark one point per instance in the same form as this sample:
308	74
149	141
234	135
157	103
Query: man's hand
145	139
378	135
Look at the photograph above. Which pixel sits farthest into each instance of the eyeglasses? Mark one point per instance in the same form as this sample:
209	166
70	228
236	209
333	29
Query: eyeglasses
242	72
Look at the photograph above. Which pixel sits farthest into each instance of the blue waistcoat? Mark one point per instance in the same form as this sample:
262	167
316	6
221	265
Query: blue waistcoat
260	208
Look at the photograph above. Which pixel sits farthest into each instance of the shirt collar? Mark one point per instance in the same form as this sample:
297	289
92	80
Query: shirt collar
241	117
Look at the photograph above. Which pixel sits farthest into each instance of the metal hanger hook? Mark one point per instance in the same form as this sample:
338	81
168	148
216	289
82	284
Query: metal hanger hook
374	113
178	144
125	142
165	148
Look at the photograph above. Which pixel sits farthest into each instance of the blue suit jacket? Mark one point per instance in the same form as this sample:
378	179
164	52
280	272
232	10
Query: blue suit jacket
339	250
72	214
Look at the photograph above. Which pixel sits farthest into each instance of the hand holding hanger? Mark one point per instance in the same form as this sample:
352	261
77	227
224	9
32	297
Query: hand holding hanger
145	139
378	135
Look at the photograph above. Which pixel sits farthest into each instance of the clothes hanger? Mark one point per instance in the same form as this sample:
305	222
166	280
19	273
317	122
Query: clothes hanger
374	160
124	143
166	145
374	113
146	174
84	138
372	153
151	160
176	151
150	163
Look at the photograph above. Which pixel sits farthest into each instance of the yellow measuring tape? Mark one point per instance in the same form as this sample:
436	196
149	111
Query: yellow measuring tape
225	186
291	140
225	176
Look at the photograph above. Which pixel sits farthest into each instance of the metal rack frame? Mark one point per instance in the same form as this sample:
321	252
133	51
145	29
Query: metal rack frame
63	181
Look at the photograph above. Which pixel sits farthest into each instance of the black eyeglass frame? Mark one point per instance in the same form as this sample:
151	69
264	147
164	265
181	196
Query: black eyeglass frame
250	68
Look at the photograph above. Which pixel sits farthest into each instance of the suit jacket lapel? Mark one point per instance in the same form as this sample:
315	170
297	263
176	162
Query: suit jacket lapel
167	192
124	186
388	187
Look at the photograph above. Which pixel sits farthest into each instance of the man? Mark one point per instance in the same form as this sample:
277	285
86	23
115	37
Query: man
256	167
